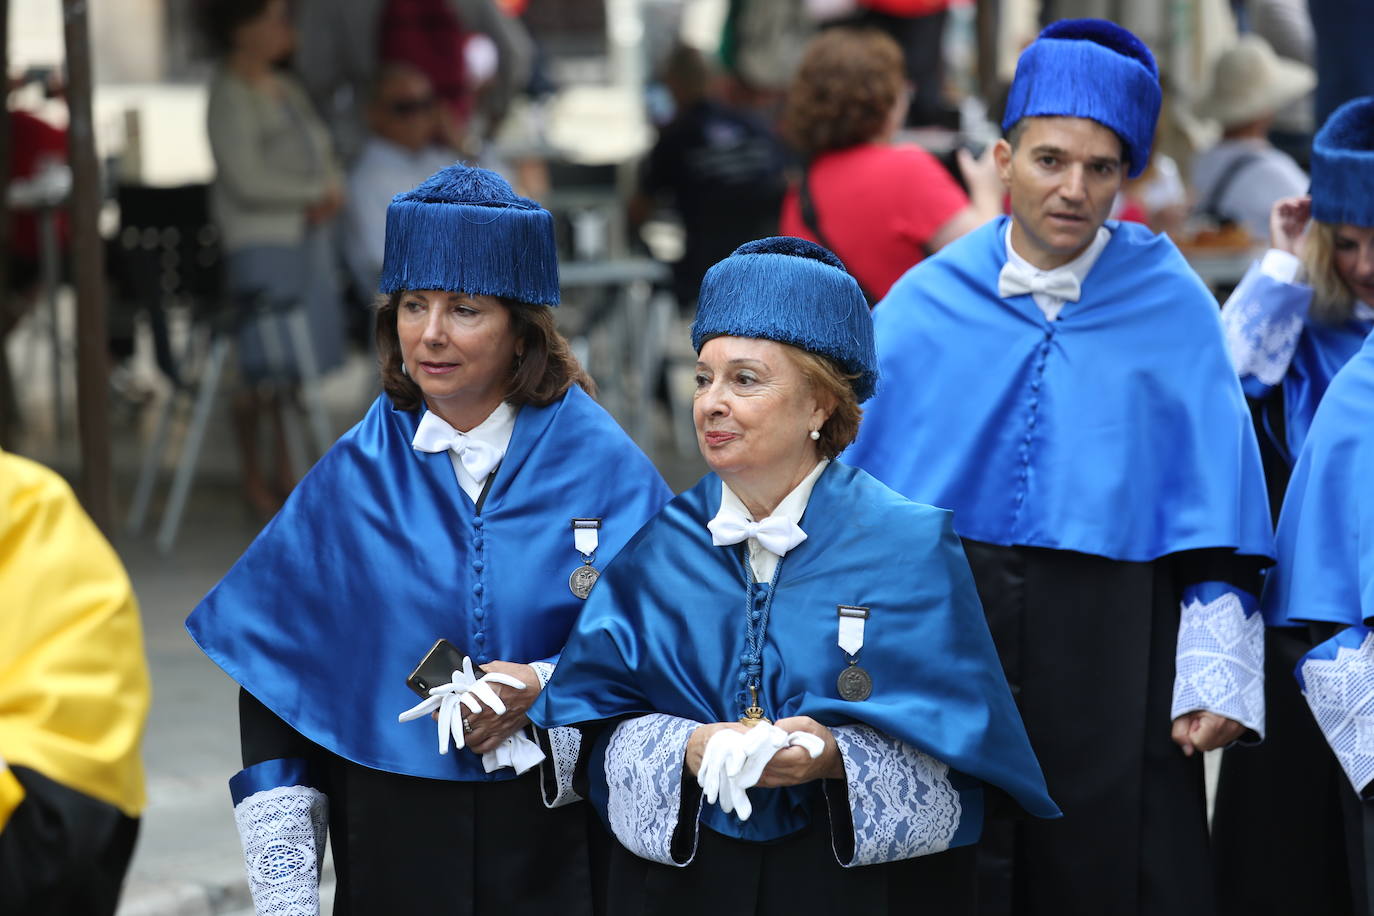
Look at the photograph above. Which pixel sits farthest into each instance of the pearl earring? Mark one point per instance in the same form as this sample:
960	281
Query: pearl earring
815	435
405	370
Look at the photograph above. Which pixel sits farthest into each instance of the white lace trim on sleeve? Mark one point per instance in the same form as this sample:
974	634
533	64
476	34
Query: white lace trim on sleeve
1340	692
543	671
901	801
1219	665
644	771
283	832
1262	331
565	744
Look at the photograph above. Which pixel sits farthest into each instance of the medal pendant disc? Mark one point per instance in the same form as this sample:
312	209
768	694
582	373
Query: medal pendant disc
854	684
582	580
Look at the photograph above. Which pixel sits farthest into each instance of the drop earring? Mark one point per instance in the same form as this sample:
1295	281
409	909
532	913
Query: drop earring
405	370
815	435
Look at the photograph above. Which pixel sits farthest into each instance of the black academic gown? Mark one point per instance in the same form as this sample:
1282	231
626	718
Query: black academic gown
1285	827
58	833
414	833
1133	838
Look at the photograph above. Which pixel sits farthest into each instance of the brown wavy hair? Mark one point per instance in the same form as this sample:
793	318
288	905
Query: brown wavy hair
542	375
844	90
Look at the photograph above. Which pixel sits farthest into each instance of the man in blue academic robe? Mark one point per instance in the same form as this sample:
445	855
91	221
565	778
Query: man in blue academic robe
1061	382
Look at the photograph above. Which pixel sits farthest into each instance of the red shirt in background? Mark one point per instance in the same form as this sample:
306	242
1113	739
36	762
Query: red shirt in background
879	205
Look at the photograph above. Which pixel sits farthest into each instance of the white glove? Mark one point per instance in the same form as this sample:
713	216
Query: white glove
734	761
466	689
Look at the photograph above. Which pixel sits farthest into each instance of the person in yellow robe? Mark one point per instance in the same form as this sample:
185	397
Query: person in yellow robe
74	696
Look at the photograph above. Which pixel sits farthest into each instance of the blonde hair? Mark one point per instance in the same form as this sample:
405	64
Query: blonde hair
1332	301
829	381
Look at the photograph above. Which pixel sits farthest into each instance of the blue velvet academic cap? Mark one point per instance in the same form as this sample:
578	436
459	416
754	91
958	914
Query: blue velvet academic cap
1343	165
1090	68
795	292
464	229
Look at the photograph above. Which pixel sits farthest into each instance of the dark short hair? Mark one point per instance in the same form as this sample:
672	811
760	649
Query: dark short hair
827	379
219	19
1013	137
844	90
542	375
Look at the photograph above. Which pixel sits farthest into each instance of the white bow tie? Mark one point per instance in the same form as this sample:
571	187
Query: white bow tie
478	457
1015	280
775	533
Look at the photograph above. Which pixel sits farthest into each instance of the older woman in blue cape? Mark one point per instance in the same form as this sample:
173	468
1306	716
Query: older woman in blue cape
475	502
1297	317
786	674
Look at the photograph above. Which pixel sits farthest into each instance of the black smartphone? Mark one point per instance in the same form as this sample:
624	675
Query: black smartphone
437	667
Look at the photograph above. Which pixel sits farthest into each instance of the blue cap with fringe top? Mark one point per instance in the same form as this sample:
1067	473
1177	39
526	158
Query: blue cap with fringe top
794	292
1343	165
464	229
1095	69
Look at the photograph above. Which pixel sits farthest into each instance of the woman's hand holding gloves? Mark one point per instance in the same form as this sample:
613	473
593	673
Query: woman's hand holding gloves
729	758
497	739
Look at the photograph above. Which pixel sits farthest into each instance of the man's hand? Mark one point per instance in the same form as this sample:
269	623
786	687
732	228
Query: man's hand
1204	731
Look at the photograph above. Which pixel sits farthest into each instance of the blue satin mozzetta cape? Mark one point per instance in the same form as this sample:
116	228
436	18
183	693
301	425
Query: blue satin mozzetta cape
665	629
378	553
1118	430
1325	569
1322	350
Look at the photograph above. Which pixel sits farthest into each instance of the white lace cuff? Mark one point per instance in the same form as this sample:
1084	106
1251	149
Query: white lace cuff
644	771
283	833
561	748
1263	320
901	801
543	671
1340	691
1219	666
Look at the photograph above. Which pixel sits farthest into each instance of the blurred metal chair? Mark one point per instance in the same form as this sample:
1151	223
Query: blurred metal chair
168	252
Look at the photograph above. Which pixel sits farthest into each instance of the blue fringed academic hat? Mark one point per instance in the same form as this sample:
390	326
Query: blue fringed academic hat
1090	68
465	229
1343	165
795	292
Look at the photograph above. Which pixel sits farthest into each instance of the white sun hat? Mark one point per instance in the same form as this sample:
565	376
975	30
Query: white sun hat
1250	81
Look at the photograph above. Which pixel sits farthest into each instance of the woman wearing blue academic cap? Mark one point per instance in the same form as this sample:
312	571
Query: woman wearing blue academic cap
1295	320
787	690
475	502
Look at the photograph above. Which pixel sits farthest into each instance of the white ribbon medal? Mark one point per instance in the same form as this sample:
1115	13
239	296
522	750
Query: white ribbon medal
854	683
586	538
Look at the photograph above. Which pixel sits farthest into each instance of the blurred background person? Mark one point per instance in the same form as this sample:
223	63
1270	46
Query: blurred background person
74	696
1296	319
1287	26
276	190
918	28
719	167
476	56
404	147
881	207
1238	179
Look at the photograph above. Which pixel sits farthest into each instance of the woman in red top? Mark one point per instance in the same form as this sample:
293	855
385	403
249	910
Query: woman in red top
881	207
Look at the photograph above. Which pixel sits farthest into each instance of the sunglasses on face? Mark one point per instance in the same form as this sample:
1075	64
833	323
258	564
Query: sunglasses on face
405	108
